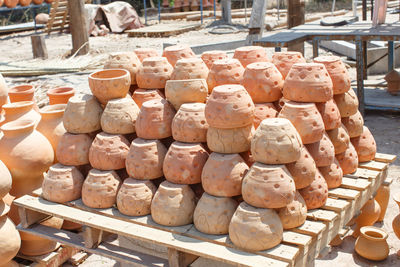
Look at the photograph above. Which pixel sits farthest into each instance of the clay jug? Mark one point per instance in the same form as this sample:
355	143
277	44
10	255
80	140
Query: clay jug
338	73
235	140
348	160
179	92
124	60
145	159
276	141
143	53
24	92
60	95
134	197
5	181
142	95
173	204
372	244
189	124
365	145
263	111
294	214
285	60
263	81
254	228
73	149
175	52
226	71
339	138
10	240
20	111
212	215
333	174
369	215
354	124
382	197
323	151
3	91
250	54
316	194
347	103
119	116
396	220
190	68
209	57
330	114
303	170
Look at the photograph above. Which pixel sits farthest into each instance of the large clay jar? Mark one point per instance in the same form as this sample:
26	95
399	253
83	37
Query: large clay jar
348	160
173	204
209	57
20	111
235	140
365	145
26	153
294	214
134	197
119	116
142	95
229	106
3	91
179	92
73	149
124	60
250	54
10	241
82	114
354	124
143	53
338	73
347	103
189	124
5	181
268	186
330	114
333	174
276	141
263	81
285	60
323	151
154	73
308	82
175	52
62	183
213	214
223	174
316	194
303	170
60	95
155	119
306	119
51	125
190	68
264	111
340	138
145	159
382	197
254	228
372	244
226	71
100	189
369	215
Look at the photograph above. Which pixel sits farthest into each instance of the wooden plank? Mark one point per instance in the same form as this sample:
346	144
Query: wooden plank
163	30
343	193
364	173
387	158
356	184
52	259
177	258
374	165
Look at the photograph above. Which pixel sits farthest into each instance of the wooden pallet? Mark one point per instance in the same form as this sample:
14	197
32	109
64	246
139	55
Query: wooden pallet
180	245
59	19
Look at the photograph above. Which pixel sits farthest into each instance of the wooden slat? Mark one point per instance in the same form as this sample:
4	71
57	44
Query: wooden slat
387	158
343	193
52	259
374	165
356	184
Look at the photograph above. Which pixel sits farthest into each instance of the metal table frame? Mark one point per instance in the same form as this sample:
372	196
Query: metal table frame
31	7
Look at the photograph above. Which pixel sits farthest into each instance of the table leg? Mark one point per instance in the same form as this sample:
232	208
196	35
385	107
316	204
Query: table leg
278	49
315	46
365	59
390	56
360	75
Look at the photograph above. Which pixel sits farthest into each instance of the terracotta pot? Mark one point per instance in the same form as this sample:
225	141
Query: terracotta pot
179	92
10	240
308	82
276	141
396	220
20	111
24	2
372	244
333	174
263	81
338	73
280	103
145	159
124	60
294	214
24	92
4	209
348	160
339	138
306	119
250	54
189	124
354	124
264	111
134	197
235	140
26	153
73	149
209	57
285	60
82	114
155	119
330	114
347	103
5	180
60	95
255	229
323	151
213	214
303	170
369	215
316	194
119	116
365	145
10	3
190	68
229	106
226	71
175	52
37	2
173	204
382	197
3	91
143	53
68	225
142	95
51	125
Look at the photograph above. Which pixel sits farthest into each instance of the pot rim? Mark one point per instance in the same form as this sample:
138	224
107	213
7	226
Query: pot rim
119	74
61	91
18	104
53	109
22	89
374	229
18	125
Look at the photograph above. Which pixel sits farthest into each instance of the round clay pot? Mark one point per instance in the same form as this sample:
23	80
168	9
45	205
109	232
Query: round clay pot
382	197
142	95
264	111
62	183
179	92
330	114
175	52
51	125
134	197
24	2
190	68
338	73
347	103
154	73
124	60
294	214
306	119
173	204
213	214
333	174
339	138
73	149
372	244
323	151
396	220
250	54
209	57
189	124
235	140
155	119
348	160
119	116
303	170
308	82
145	159
60	95
254	228
82	114
229	106
369	215
365	145
276	141
263	81
226	71
285	60
354	124
20	111
68	225
316	194
3	91
5	180
24	92
10	240
143	53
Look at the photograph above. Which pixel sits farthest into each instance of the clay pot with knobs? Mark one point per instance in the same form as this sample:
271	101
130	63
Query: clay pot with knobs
179	92
73	149
323	151
51	125
119	116
330	114
20	111
209	57
294	214
303	170
60	95
154	73
339	138
354	124
372	244
142	95
348	160
189	124
190	68
250	54
347	103
365	145
316	194
285	60
226	71
143	53
338	73
23	92
124	60
369	215
175	52
235	140
264	111
332	174
3	91
382	197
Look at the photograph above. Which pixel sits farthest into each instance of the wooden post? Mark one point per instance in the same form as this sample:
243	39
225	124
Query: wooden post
78	26
257	21
295	17
39	48
180	259
226	11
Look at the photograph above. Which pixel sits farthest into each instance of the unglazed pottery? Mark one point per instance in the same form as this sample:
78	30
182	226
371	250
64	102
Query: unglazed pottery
280	103
190	68
226	71
316	194
119	116
11	3
143	53
179	92
284	61
189	124
24	2
209	57
51	125
5	180
294	214
303	170
23	92
60	95
330	114
20	111
124	60
10	240
382	197
369	215
333	174
323	151
235	140
347	103
142	95
365	145
348	160
340	138
175	52
154	73
396	220
250	54
264	111
73	149
372	244
3	91
354	124
338	73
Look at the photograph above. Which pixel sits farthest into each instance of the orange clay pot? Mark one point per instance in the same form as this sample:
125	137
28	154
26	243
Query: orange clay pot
154	73
338	73
119	116
365	145
190	68
372	244
303	170
330	114
209	57
142	95
250	54
316	194
280	103
124	60
11	3
226	71
73	149
264	111
369	215
235	140
23	110
37	2
143	53
339	138
294	214
3	91
348	160
60	95
284	61
333	174
382	197
347	103
175	52
179	92
396	220
9	243
5	181
24	2
323	151
189	124
23	92
354	124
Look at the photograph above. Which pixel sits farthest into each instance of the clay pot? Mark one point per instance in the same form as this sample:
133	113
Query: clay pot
369	215
330	114
145	159
155	119
62	183
372	244
179	92
20	111
24	92
3	91
365	145
143	53
316	194
124	60
382	197
323	151
235	140
354	124
82	114
173	204
5	180
226	71
308	82
213	214
255	229
306	119
189	124
333	174
10	240
184	163
11	3
68	225
26	153
339	138
100	189
73	149
396	220
250	54
134	197
190	68
24	2
338	73
294	214
264	111
263	81
175	52
280	103
142	95
276	141
347	103
229	106
348	160
285	60
303	170
51	125
209	57
60	95
119	116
